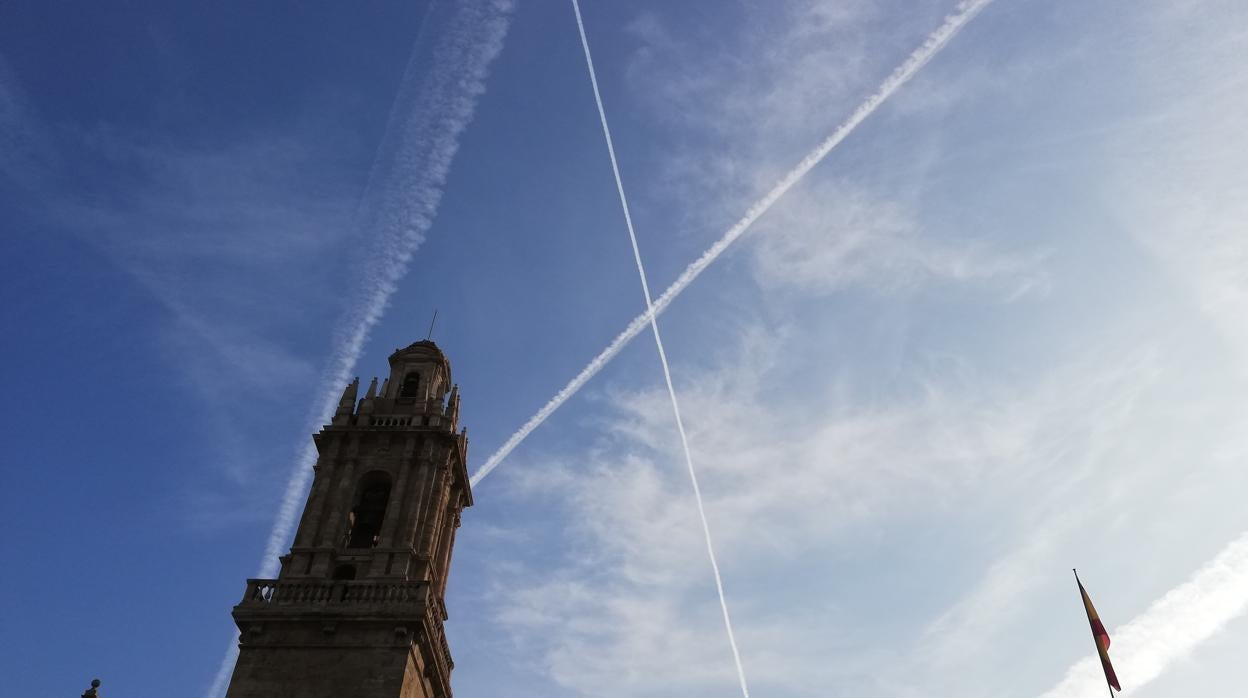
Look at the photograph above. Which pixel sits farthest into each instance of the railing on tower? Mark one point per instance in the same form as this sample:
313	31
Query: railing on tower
411	599
265	593
436	412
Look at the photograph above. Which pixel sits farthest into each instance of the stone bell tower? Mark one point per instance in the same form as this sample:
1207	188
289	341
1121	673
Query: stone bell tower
357	609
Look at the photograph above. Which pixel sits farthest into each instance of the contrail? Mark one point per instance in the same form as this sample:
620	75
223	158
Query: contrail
658	343
431	111
1176	623
937	40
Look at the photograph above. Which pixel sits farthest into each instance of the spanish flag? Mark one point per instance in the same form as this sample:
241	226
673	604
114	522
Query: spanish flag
1099	636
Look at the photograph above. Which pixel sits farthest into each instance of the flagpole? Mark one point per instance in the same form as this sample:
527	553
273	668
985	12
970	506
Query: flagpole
1079	583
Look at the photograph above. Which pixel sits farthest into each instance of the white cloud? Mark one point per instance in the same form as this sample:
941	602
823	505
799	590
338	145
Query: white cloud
931	46
834	234
1175	182
791	484
225	240
1172	627
24	149
923	529
740	104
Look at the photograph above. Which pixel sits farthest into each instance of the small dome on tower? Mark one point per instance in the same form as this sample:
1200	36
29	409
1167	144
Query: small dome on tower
419	371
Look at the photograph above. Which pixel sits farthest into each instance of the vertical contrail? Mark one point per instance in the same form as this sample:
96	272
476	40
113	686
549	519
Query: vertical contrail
431	111
1176	623
937	40
658	343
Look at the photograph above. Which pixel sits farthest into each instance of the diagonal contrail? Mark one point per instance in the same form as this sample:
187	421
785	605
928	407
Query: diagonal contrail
937	40
658	343
1176	623
430	112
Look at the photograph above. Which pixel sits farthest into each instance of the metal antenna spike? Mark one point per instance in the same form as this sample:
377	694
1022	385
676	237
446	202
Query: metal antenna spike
429	336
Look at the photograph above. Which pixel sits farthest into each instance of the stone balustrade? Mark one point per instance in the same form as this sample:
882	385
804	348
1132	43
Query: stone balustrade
272	592
446	649
426	420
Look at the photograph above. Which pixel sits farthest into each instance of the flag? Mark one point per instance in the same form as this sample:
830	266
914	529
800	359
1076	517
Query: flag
1099	636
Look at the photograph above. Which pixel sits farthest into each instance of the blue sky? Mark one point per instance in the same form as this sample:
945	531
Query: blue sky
998	333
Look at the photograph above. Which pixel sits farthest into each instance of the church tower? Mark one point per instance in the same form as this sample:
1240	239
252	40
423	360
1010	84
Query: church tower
357	609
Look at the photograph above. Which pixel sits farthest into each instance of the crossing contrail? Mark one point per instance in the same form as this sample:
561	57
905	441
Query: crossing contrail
430	112
658	343
937	40
1176	623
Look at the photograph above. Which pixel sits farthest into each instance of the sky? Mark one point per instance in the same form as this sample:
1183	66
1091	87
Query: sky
999	332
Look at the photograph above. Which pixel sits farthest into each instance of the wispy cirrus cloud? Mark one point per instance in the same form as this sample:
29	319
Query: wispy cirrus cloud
919	58
739	105
220	240
795	487
224	239
836	233
1173	181
1045	400
24	149
1171	627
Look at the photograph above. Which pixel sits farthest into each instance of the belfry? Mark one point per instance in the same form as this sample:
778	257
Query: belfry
357	608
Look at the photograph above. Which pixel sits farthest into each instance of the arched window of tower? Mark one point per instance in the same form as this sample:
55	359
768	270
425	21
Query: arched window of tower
369	511
411	385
